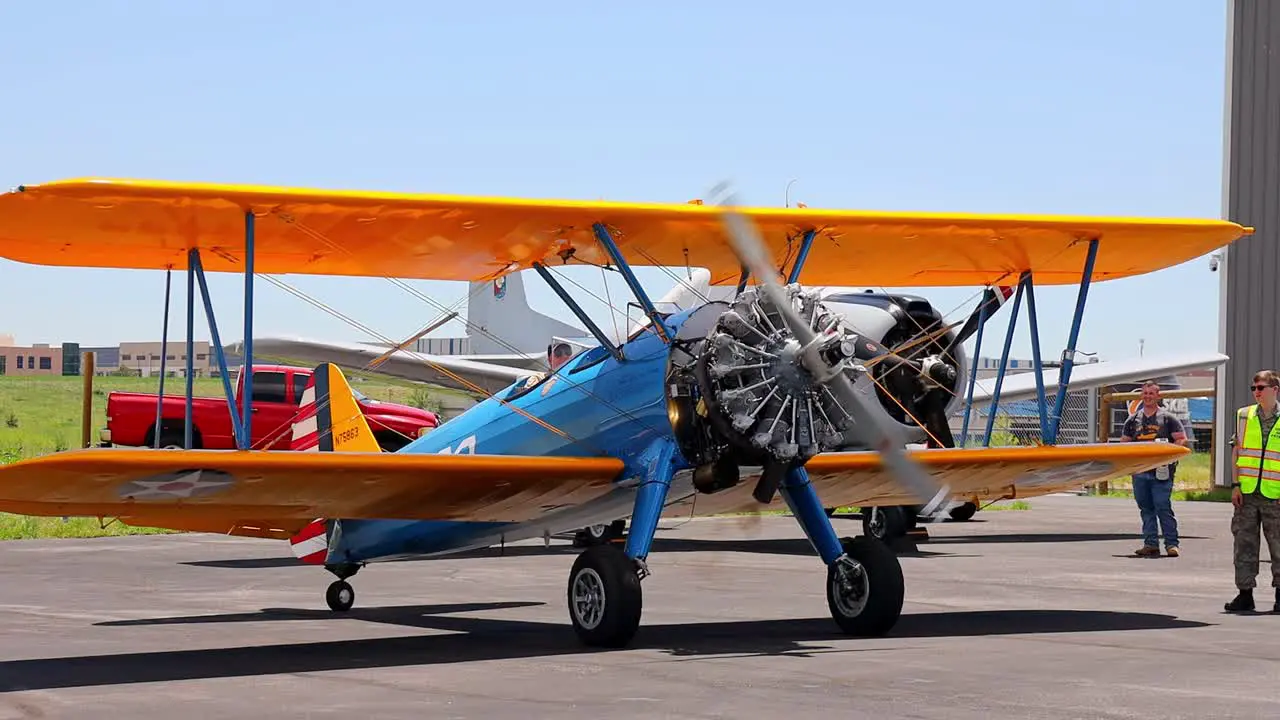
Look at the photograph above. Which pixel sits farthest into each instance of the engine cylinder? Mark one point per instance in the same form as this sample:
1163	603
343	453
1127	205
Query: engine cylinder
760	397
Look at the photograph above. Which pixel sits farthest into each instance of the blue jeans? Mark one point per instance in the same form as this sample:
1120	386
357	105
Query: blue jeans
1154	502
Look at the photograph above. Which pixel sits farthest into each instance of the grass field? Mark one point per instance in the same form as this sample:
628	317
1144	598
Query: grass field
40	415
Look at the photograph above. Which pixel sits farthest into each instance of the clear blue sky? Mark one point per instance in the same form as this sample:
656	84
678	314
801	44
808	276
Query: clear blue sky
1089	106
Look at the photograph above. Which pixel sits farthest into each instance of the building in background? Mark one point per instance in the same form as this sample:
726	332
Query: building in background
1248	269
140	359
146	357
38	359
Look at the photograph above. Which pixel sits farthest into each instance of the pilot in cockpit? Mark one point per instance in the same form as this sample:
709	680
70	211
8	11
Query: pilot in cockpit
558	353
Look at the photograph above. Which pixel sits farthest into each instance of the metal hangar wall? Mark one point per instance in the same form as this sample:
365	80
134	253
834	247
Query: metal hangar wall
1249	269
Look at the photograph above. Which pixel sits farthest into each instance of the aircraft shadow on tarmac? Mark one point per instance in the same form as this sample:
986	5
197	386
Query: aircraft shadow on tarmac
767	546
471	639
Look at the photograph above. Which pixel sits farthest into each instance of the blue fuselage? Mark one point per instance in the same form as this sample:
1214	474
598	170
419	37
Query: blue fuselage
595	405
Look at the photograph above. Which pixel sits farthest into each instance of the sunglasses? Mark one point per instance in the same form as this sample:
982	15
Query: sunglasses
1260	388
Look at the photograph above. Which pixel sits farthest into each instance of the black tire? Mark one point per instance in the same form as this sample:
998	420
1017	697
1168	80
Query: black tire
891	524
963	513
875	606
593	535
604	597
340	596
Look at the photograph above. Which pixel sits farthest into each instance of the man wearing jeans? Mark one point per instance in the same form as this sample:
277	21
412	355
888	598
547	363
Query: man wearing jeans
1153	489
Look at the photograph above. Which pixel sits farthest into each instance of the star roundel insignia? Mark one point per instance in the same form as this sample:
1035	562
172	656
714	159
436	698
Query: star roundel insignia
178	484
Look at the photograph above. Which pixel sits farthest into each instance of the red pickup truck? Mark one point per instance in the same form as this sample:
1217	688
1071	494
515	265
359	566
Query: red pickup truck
277	390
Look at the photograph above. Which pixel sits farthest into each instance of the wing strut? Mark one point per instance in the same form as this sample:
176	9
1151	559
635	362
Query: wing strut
246	393
1004	364
1068	355
237	425
1050	422
805	246
240	418
602	234
577	310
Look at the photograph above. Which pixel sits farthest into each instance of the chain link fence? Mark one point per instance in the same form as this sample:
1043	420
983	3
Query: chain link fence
1018	422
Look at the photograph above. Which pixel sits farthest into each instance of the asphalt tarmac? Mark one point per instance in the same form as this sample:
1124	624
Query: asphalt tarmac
1018	614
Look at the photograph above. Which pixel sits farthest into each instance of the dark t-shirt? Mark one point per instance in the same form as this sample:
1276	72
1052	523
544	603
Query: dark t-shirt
1143	427
1147	428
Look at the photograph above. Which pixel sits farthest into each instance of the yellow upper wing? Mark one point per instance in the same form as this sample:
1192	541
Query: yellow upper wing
860	478
151	224
213	489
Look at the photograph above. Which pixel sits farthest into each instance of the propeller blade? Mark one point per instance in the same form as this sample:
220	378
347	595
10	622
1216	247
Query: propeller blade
879	433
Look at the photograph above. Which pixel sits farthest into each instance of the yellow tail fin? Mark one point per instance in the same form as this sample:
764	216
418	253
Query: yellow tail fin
329	419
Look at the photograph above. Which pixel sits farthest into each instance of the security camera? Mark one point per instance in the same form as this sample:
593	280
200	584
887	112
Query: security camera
1213	263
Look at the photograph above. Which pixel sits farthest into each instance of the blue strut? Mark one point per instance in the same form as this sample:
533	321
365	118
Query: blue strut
657	466
191	329
246	390
602	234
1068	355
805	246
805	504
237	427
1004	364
1035	356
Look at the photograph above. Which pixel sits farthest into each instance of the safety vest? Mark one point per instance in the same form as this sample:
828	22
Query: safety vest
1252	462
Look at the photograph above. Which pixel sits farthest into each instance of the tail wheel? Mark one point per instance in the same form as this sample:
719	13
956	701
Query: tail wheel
865	597
604	597
340	596
961	513
599	534
885	523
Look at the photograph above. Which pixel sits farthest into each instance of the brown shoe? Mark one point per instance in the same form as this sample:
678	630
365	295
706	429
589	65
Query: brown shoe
1172	552
1147	551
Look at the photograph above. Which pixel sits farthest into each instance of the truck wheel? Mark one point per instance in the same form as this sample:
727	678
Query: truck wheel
391	442
175	440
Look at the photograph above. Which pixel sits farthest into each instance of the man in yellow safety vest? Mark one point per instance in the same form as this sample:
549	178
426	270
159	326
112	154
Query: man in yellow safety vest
1255	490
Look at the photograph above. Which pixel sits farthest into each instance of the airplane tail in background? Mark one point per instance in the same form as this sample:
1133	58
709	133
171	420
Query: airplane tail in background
328	420
498	310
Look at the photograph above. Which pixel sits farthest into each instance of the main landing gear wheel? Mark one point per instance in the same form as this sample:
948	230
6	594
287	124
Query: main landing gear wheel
340	596
604	597
865	595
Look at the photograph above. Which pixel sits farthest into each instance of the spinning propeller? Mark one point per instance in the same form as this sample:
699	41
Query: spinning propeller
810	350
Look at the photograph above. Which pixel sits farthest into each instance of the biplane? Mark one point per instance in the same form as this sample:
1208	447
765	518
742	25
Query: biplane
726	405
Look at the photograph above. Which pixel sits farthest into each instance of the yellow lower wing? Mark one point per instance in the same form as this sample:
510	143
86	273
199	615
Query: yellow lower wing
981	474
275	493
